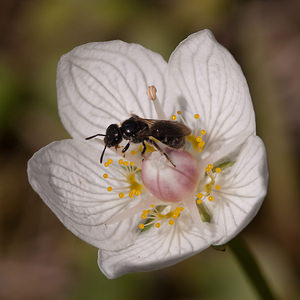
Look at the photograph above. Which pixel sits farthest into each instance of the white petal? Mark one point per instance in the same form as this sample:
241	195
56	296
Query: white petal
68	177
242	192
103	83
155	249
205	79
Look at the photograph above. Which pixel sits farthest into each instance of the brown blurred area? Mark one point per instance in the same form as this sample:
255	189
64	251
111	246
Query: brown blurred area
39	258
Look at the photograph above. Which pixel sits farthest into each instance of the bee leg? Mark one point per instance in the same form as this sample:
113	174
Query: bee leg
161	151
126	148
144	148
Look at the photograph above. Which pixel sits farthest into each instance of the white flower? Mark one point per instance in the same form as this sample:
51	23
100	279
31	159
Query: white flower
114	206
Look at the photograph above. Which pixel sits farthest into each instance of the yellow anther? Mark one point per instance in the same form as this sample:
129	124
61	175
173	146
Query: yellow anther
217	187
145	212
141	226
131	163
201	144
121	195
133	152
199	195
210	166
121	161
137	193
157	225
109	188
210	198
110	161
179	112
175	215
149	211
198	139
181	208
105	175
131	194
218	170
203	132
106	164
207	169
173	118
196	116
199	201
152	205
125	163
143	216
171	222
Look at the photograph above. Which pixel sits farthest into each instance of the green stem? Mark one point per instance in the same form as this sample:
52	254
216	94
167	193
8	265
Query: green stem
250	266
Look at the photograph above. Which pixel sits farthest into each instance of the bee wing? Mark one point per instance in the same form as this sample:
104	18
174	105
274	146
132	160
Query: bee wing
162	128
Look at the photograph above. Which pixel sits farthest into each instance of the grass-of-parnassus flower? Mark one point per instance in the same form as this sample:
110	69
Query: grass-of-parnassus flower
141	211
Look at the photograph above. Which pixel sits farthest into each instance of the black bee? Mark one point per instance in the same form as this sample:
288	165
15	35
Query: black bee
138	130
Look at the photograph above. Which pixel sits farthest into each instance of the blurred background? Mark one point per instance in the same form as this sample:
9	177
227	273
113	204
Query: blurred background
39	258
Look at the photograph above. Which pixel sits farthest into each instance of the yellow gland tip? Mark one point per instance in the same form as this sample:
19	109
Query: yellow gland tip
109	189
133	152
121	161
175	215
131	163
105	175
196	116
179	112
137	193
125	163
110	161
199	201
203	132
181	208
145	212
210	166
131	194
210	198
199	195
143	216
218	170
217	187
198	139
173	118
157	225
152	205
171	222
207	169
121	195
149	211
106	164
141	226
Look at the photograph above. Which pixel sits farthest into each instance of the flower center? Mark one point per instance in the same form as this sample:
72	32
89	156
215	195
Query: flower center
167	183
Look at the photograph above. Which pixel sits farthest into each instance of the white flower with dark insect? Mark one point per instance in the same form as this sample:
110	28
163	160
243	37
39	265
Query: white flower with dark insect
148	214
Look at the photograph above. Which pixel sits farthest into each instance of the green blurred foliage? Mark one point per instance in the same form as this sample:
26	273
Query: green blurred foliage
39	258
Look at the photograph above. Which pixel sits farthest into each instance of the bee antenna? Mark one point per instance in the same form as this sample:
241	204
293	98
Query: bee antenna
93	136
101	158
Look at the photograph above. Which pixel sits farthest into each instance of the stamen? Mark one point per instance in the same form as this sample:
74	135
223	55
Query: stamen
218	170
173	118
196	116
151	92
217	187
133	152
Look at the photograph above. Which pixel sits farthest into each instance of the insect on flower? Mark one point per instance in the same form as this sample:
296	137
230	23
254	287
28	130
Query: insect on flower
139	130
